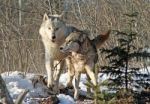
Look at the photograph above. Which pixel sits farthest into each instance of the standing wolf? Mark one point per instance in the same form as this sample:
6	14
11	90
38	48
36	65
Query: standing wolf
53	31
83	56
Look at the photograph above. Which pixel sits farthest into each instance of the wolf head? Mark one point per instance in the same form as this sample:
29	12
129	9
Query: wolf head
53	26
73	42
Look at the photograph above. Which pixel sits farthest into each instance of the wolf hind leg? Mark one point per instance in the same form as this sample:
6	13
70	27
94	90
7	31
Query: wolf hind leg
88	79
91	73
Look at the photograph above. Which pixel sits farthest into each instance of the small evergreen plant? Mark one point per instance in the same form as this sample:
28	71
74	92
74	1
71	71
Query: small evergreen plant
123	76
100	97
122	54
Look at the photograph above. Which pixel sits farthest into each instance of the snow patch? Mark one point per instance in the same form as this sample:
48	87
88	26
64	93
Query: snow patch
17	82
65	99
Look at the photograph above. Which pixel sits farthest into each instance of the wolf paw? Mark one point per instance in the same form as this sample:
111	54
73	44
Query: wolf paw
54	89
70	87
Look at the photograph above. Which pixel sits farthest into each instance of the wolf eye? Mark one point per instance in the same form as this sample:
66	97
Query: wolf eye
56	29
49	28
67	43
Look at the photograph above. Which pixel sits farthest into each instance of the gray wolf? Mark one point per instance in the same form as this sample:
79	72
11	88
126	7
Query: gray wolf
53	31
83	56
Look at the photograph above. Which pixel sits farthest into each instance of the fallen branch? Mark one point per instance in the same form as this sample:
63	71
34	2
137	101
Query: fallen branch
4	94
21	97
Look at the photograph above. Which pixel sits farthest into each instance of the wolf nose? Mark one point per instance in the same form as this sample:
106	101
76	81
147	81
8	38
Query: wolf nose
53	37
61	48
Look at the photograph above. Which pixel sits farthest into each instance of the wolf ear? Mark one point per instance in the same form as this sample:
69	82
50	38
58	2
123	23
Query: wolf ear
45	17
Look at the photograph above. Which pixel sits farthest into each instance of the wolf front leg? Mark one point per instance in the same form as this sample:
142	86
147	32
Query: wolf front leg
58	71
76	85
70	72
49	64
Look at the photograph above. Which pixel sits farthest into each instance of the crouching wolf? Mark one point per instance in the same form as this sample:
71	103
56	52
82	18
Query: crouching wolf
83	56
53	31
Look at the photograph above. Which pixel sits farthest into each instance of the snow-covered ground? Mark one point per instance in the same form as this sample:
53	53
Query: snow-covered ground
17	82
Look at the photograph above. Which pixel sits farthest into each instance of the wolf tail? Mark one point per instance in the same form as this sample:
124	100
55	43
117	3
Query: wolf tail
100	39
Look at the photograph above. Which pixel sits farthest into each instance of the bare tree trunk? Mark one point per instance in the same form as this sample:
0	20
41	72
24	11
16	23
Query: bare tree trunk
20	12
4	94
